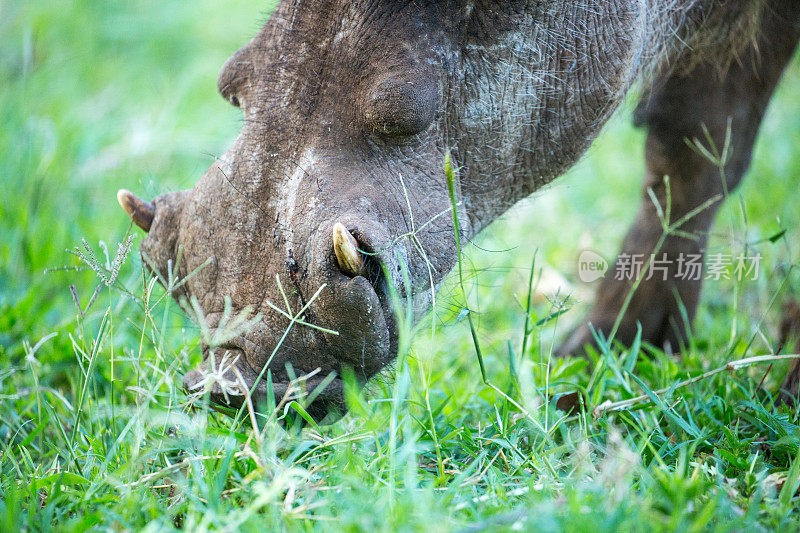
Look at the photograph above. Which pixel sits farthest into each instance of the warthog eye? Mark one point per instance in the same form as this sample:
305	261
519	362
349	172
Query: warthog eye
400	107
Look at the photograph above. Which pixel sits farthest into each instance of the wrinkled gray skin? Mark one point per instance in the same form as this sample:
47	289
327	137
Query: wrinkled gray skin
349	106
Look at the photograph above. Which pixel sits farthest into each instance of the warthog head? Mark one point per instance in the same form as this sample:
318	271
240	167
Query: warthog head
349	109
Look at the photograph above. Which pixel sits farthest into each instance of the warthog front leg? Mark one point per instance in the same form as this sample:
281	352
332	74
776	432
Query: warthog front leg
676	109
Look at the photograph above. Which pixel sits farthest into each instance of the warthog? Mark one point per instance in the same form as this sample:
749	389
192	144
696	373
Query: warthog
350	108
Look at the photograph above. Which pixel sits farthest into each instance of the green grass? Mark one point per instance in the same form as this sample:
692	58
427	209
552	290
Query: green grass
95	431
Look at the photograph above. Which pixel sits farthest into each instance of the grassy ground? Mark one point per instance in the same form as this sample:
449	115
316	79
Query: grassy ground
94	431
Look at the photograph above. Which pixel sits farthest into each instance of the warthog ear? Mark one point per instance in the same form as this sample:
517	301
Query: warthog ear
141	212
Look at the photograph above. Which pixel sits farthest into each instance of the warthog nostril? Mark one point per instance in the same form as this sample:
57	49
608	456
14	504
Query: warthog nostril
345	248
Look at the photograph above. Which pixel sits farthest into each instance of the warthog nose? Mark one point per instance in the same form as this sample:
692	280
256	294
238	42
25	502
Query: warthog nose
345	248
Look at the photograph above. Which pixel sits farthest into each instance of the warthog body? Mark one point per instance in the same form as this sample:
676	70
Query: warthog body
349	109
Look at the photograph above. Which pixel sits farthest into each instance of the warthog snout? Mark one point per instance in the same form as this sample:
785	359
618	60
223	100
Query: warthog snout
323	311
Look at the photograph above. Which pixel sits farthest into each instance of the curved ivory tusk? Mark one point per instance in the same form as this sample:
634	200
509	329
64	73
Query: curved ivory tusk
141	212
345	247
